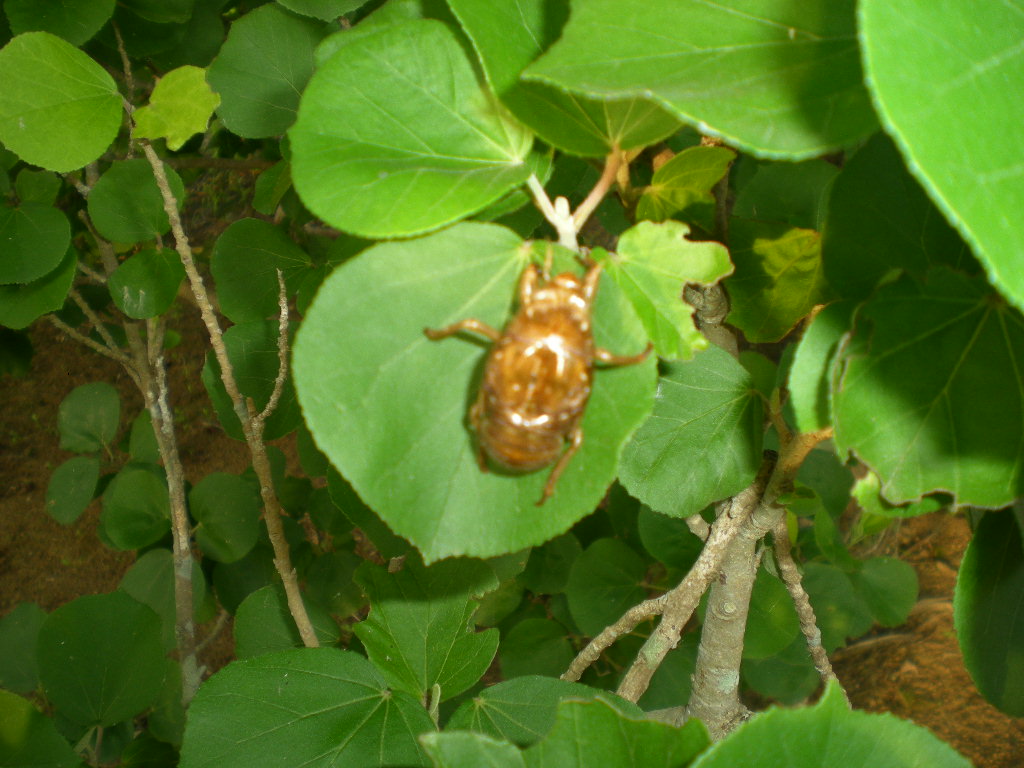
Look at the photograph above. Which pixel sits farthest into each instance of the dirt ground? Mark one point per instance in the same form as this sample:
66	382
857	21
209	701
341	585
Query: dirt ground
914	671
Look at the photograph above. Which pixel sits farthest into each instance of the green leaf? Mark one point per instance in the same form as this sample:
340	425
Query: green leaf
654	263
777	81
325	10
470	750
811	373
71	488
150	580
963	61
316	707
330	581
673	679
244	265
88	417
669	539
685	180
59	109
162	11
547	570
37	186
605	581
136	508
523	710
868	493
125	205
19	630
987	611
396	136
264	624
703	441
146	283
889	587
74	20
252	350
778	279
535	647
589	733
355	513
788	677
952	425
235	581
412	458
179	107
271	186
101	659
879	220
227	509
142	445
22	304
34	237
772	623
509	36
830	733
262	69
28	737
793	193
840	610
419	632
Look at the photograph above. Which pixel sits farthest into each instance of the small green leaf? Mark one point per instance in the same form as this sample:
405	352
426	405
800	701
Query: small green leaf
330	580
227	509
74	20
509	36
125	205
162	11
928	70
840	610
669	539
396	136
987	611
333	706
264	624
71	488
470	750
954	425
810	375
685	180
22	303
776	82
778	280
703	441
179	107
235	581
830	733
535	647
419	631
142	445
101	659
788	677
244	265
37	186
34	237
271	186
150	580
879	220
59	109
868	493
88	417
28	737
136	507
145	284
605	581
889	587
547	570
772	623
589	733
19	630
325	10
523	710
793	193
654	263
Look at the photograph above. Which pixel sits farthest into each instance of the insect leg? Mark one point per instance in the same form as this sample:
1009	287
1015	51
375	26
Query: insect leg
575	441
463	325
608	358
476	419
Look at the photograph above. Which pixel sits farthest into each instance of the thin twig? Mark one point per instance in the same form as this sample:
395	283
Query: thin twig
612	164
114	354
559	217
282	350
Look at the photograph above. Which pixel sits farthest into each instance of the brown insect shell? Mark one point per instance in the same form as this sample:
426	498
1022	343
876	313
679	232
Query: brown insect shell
538	374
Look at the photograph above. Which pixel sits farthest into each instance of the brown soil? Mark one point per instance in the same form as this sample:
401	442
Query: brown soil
914	671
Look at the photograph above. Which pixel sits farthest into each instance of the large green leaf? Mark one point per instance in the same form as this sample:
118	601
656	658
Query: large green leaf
396	136
146	283
929	71
388	406
126	205
34	237
472	750
136	507
810	374
830	733
989	611
101	659
262	69
71	488
419	632
772	78
74	20
703	441
510	35
22	303
605	581
879	220
227	508
931	396
88	417
58	108
315	707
